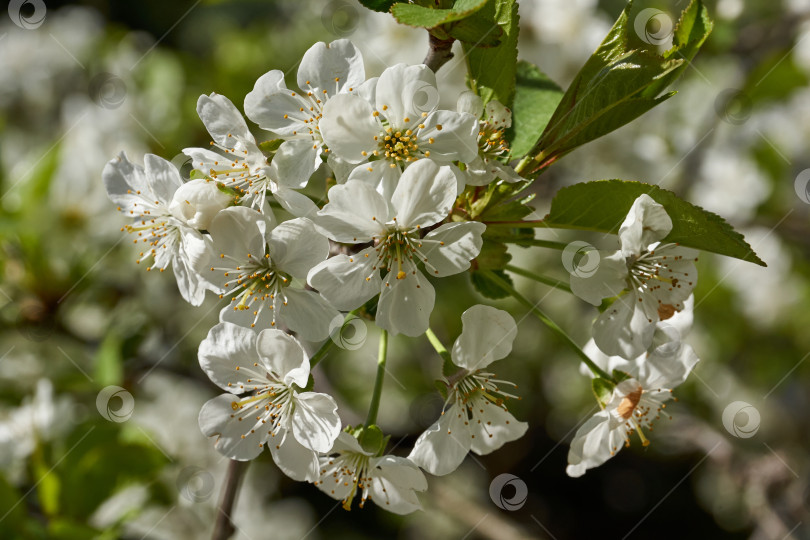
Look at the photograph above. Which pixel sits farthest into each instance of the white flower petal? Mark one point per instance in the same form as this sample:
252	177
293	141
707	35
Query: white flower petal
470	103
123	179
450	248
424	195
227	355
196	202
307	314
295	460
295	203
341	169
486	336
234	439
315	421
342	279
454	136
335	67
283	356
498	115
593	444
162	177
378	174
223	121
295	161
348	127
394	485
405	304
406	92
443	446
493	427
295	247
354	214
623	329
667	366
607	280
647	222
237	231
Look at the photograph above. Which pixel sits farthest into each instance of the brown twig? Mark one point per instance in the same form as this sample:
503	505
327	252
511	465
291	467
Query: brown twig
439	53
224	528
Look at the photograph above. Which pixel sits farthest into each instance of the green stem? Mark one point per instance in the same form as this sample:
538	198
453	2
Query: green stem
374	406
556	283
599	372
438	345
551	244
522	164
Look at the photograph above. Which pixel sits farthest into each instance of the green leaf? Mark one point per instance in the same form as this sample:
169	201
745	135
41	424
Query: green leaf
603	390
486	287
109	366
492	70
428	17
271	145
603	205
493	256
475	30
621	81
536	98
383	6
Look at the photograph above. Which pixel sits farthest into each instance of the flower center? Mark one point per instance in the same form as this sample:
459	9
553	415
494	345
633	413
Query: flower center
399	146
629	403
349	468
255	285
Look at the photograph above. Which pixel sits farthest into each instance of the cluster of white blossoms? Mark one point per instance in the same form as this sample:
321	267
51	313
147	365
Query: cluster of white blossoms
388	232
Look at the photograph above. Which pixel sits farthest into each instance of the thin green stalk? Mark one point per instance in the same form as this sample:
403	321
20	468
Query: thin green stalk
523	163
556	283
599	372
438	345
551	244
374	406
516	224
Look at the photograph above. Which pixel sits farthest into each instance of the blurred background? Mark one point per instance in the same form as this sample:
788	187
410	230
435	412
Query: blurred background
99	382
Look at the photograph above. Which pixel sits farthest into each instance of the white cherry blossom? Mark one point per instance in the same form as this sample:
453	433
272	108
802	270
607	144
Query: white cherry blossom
240	164
652	280
267	370
326	70
391	482
357	214
635	404
256	264
197	202
476	418
384	131
146	195
494	120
